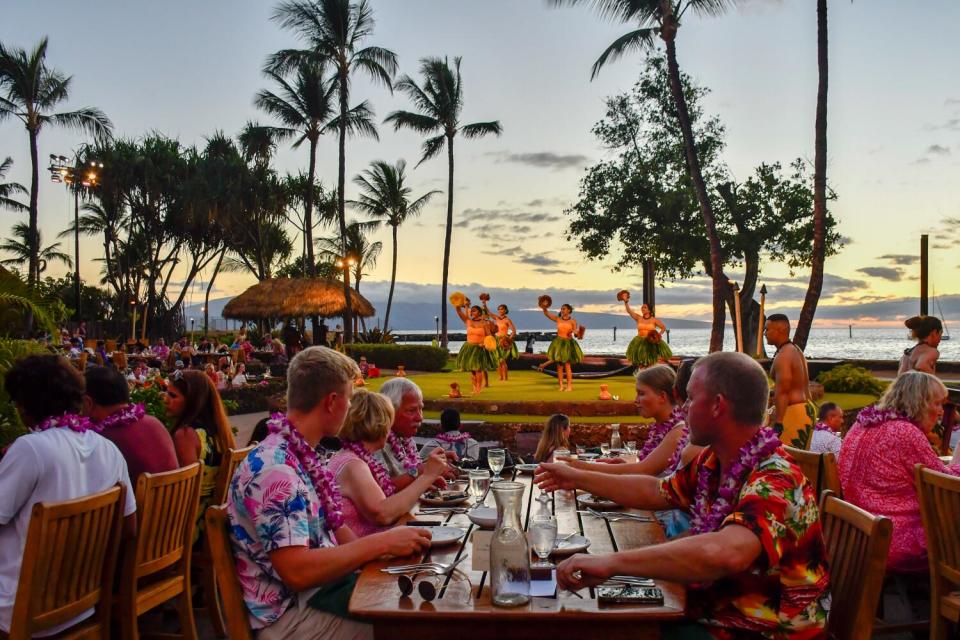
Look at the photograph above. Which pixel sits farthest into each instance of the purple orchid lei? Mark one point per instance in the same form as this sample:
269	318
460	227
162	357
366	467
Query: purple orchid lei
449	438
875	416
70	421
707	516
376	467
404	450
323	481
684	441
128	416
658	431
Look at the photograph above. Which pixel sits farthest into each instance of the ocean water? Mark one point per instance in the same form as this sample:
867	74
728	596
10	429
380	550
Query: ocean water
868	344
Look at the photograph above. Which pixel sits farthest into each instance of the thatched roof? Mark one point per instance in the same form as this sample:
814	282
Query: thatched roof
295	298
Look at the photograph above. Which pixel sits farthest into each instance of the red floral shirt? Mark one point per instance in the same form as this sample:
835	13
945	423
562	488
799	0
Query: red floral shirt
785	593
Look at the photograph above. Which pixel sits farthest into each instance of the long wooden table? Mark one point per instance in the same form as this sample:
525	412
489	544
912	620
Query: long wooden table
465	611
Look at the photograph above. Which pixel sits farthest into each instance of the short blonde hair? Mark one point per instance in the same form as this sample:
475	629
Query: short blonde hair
911	392
315	373
659	377
369	418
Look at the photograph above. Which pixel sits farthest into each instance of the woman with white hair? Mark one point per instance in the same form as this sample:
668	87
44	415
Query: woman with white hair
878	456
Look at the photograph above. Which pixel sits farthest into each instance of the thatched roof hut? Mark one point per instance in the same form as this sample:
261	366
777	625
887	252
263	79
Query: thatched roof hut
295	298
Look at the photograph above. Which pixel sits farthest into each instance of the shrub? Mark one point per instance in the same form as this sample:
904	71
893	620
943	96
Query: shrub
415	357
10	351
152	399
252	398
847	378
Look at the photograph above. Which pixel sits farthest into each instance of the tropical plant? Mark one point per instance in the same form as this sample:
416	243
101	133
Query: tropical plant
439	103
18	301
848	378
29	91
385	197
10	189
661	18
361	254
11	426
333	32
375	335
820	230
23	250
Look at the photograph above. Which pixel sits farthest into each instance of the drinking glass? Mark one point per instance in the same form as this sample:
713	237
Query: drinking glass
496	459
478	484
605	449
558	453
631	446
543	535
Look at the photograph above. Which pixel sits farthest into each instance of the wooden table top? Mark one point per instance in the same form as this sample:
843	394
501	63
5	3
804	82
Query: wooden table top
377	597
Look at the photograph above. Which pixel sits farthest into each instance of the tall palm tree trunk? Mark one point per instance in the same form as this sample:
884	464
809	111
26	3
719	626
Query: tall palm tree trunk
206	299
308	229
815	287
33	264
720	288
341	210
446	245
393	281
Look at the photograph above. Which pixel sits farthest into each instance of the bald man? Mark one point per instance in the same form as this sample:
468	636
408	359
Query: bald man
791	415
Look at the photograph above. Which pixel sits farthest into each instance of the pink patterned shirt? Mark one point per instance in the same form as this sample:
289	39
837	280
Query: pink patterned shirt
876	472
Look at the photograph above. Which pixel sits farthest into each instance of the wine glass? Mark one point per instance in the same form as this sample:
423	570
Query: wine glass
632	447
479	482
544	536
604	449
496	459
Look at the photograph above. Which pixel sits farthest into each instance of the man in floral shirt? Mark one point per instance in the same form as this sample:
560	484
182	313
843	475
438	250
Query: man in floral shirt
295	560
756	562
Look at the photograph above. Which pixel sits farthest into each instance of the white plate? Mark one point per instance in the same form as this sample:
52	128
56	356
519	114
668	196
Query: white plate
574	544
589	500
444	502
444	535
527	468
483	517
588	456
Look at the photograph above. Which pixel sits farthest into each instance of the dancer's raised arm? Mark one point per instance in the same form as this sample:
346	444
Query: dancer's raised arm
547	313
462	315
630	312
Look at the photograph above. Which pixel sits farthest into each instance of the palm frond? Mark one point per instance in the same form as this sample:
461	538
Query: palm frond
480	129
416	121
638	40
89	120
431	148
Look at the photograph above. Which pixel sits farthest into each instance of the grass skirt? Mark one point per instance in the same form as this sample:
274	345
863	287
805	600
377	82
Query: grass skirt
565	350
475	357
644	353
510	353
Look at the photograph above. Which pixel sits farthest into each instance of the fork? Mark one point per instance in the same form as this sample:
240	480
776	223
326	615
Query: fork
432	567
615	516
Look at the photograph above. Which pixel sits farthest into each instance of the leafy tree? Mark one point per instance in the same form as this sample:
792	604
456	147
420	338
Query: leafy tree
23	249
385	197
439	103
10	189
29	91
97	303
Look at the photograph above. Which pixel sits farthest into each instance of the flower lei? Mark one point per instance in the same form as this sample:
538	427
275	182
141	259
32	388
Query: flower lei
71	421
684	441
376	467
128	416
447	437
323	481
657	432
822	426
708	517
404	451
875	416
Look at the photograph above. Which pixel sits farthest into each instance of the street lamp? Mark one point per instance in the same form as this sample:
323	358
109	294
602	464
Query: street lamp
345	263
79	176
436	320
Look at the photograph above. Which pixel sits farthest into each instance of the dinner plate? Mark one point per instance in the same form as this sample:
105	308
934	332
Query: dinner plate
574	544
527	468
590	500
444	535
456	499
483	517
588	456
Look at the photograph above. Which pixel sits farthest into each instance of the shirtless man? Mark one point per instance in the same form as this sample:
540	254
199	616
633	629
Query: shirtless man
791	389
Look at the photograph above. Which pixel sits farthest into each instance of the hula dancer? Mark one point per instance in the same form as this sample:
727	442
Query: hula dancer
564	350
478	354
506	337
648	347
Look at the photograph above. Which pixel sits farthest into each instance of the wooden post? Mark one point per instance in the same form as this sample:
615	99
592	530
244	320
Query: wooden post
738	330
924	281
763	303
649	286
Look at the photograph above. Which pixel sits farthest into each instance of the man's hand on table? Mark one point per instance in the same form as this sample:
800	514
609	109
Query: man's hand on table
584	570
404	541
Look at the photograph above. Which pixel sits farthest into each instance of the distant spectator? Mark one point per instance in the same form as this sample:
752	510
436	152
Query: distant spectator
556	435
451	438
240	379
829	424
161	350
923	356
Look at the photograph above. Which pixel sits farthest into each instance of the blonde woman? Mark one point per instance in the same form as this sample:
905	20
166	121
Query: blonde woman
371	502
555	435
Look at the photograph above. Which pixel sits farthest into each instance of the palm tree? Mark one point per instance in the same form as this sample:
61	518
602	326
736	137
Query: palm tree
439	102
661	18
106	219
10	189
386	198
815	287
334	31
29	91
361	254
23	250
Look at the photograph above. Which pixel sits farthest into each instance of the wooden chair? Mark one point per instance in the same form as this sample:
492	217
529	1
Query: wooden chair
81	361
830	474
120	361
202	560
939	495
218	535
110	346
156	565
810	463
857	547
69	563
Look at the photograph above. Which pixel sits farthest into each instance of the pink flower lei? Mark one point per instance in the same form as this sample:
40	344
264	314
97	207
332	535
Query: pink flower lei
875	416
708	517
404	450
323	481
822	426
449	438
70	421
128	416
376	467
658	431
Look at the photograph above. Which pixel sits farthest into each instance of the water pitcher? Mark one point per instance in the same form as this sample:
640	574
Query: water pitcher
615	438
509	553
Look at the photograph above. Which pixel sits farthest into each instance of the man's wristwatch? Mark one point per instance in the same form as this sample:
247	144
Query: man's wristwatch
413	472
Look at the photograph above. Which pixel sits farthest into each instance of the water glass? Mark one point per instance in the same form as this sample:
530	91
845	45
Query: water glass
560	453
605	449
496	459
632	447
543	535
479	482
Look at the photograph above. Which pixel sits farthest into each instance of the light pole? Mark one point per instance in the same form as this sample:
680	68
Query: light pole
345	263
77	177
436	320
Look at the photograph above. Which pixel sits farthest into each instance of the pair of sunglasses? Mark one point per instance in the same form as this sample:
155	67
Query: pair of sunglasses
427	588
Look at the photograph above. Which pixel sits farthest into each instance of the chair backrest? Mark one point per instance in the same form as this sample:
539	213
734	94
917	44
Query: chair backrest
110	346
857	546
939	495
120	360
830	474
218	542
82	361
809	463
228	465
167	506
69	561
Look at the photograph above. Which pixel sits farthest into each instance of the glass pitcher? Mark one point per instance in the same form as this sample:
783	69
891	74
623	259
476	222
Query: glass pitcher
509	552
615	442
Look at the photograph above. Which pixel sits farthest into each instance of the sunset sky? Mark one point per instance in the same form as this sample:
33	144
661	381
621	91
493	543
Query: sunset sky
188	68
